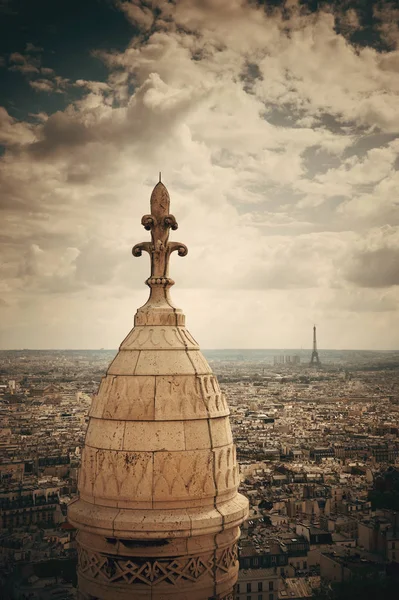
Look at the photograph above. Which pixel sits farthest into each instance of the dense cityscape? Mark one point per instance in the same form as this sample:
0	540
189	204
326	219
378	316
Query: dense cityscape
318	454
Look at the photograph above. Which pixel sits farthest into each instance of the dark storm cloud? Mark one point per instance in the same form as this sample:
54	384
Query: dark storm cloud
367	142
62	131
152	114
375	268
317	160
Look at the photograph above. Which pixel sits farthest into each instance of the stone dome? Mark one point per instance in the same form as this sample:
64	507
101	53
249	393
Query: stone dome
158	502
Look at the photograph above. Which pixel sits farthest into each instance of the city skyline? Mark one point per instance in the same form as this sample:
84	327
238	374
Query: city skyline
275	127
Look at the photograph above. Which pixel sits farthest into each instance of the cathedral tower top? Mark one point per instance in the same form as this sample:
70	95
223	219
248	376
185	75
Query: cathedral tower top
158	511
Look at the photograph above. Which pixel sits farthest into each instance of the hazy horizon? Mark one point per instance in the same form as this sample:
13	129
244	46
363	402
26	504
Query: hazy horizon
282	350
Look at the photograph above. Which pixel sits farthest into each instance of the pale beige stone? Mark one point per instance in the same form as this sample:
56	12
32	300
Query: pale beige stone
100	502
102	433
220	432
208	521
188	339
108	477
87	471
165	503
214	399
97	405
124	363
154	435
86	517
127	397
225	468
161	362
196	434
235	511
200	364
198	544
158	338
179	397
183	475
123	475
227	537
152	524
187	397
159	316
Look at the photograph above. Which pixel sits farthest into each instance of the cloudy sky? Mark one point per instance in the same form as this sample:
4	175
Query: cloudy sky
275	125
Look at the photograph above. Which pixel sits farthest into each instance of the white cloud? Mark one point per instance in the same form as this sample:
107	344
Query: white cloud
13	132
42	85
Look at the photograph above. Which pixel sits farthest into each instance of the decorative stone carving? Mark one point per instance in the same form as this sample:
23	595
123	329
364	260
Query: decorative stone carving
159	222
172	397
145	316
226	468
132	398
158	338
116	475
213	397
153	572
179	476
188	397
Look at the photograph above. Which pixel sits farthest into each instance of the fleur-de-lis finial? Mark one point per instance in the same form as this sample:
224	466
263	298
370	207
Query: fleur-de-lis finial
159	222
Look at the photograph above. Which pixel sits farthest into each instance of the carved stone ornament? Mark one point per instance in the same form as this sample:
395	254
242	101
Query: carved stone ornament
152	572
159	222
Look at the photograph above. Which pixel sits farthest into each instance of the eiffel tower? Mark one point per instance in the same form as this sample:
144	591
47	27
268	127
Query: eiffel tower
315	360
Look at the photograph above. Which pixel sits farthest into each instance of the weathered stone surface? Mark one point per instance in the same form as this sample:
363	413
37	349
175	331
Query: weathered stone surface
187	397
159	338
226	468
154	435
220	432
103	433
116	475
161	362
125	398
179	397
124	363
188	576
183	475
197	435
150	315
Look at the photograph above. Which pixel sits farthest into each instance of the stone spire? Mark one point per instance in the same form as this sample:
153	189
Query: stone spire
159	222
158	511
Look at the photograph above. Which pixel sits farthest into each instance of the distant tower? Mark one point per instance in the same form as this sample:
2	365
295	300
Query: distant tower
315	361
